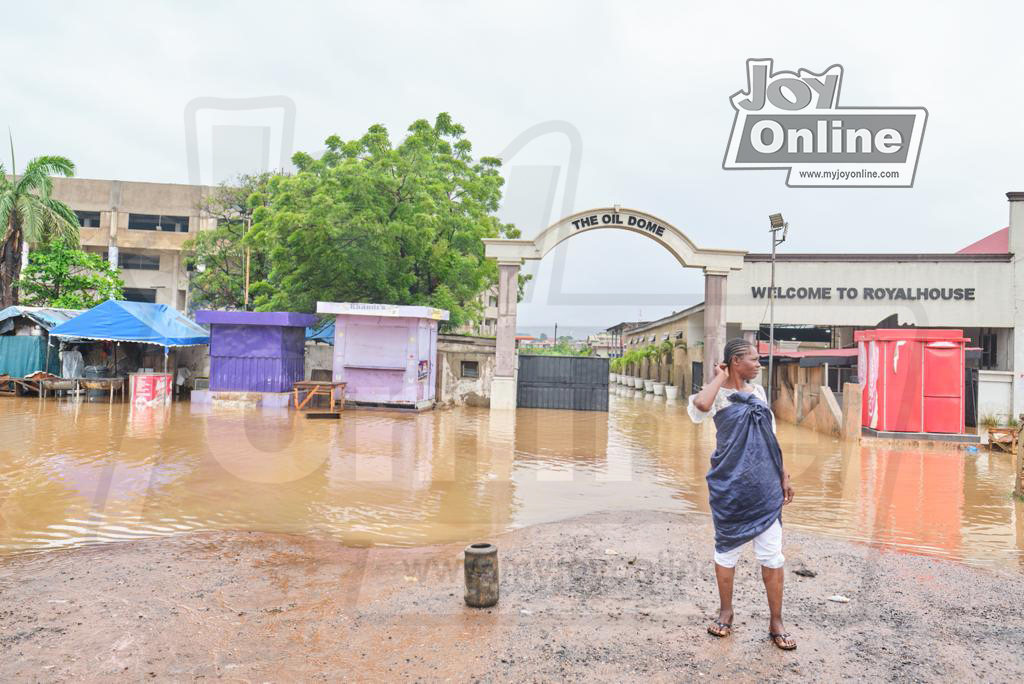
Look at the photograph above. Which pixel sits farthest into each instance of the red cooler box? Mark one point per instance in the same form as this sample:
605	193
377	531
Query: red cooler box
149	389
912	379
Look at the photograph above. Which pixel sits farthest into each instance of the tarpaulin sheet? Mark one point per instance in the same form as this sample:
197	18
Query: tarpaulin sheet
45	317
134	322
322	333
21	355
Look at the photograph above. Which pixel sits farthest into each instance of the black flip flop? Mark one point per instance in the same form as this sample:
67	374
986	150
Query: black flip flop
784	635
722	625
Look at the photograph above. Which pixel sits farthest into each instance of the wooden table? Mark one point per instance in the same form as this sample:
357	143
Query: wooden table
317	387
33	382
1003	437
5	380
110	384
55	385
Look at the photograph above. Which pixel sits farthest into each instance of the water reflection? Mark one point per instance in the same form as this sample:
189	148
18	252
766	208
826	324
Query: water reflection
77	473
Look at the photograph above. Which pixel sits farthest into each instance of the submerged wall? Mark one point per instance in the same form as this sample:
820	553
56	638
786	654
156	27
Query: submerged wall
803	399
465	368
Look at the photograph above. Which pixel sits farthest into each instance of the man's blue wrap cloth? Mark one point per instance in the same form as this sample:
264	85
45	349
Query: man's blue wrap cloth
745	479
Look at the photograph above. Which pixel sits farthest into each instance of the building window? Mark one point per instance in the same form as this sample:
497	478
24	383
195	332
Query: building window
140	294
88	219
493	301
988	351
470	369
174	224
138	262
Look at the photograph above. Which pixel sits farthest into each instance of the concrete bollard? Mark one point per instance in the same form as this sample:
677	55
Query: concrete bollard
481	569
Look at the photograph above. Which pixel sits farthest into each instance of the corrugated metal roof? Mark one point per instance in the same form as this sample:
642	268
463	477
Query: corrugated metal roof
47	317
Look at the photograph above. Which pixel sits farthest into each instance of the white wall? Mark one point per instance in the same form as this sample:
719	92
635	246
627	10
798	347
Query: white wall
995	394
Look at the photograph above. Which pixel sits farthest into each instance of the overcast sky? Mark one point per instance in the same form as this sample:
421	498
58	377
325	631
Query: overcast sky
646	85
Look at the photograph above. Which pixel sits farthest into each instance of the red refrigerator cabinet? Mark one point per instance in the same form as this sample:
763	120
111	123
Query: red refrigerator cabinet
912	380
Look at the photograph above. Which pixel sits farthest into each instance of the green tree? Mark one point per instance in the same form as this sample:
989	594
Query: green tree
28	213
652	354
560	349
632	359
62	276
217	257
667	350
373	221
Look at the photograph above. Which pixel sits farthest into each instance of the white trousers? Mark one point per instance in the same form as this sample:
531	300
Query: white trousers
767	549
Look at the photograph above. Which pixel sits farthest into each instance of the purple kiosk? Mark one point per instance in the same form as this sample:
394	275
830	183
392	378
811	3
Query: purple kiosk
259	353
385	353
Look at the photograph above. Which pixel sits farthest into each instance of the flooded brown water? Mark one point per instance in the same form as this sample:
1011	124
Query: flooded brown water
74	473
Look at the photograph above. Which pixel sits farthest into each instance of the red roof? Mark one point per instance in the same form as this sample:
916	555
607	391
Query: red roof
925	334
996	243
763	347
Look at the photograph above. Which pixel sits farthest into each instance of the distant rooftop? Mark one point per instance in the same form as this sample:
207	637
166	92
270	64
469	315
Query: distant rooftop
996	243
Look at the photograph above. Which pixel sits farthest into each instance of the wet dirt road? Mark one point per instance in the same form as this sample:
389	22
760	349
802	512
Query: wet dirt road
609	597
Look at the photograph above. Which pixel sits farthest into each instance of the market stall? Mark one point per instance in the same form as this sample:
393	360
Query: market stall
385	354
25	346
138	323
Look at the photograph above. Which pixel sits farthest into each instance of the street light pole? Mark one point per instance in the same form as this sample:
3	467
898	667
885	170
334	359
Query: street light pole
245	295
777	224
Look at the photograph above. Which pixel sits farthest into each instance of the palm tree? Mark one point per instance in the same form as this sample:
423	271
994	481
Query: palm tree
680	344
666	348
632	359
651	353
28	213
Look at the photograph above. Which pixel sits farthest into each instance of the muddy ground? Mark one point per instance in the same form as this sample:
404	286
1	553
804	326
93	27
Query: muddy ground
606	597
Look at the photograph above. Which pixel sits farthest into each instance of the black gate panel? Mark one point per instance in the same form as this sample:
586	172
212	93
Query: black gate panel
698	377
971	397
563	382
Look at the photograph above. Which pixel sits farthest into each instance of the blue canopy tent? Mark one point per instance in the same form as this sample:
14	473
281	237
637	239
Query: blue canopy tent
140	322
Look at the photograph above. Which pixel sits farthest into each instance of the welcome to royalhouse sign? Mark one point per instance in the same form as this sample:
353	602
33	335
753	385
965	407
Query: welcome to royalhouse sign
868	293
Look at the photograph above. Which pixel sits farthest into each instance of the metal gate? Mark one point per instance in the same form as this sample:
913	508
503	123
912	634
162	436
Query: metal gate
563	382
697	380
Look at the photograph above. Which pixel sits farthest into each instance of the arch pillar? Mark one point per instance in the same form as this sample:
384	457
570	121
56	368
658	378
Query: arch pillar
714	320
503	385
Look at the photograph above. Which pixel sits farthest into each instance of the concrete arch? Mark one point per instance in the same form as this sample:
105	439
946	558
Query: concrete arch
667	235
510	254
